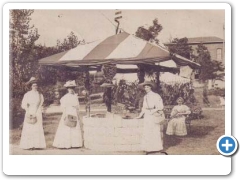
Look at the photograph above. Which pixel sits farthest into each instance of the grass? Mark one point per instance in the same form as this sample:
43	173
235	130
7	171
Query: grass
201	138
213	99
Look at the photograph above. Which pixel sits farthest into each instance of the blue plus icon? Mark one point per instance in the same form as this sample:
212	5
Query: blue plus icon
227	145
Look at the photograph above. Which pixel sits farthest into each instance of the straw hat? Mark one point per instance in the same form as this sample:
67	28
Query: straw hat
147	83
107	85
31	81
70	84
180	98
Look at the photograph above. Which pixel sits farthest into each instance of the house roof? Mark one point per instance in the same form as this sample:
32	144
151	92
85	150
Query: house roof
197	40
204	39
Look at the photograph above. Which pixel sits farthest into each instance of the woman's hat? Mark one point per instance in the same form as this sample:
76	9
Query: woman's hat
70	84
107	85
147	83
31	81
180	98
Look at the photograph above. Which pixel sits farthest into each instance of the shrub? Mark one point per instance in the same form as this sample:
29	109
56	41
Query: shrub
217	92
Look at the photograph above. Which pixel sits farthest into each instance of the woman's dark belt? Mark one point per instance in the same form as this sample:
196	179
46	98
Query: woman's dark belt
150	108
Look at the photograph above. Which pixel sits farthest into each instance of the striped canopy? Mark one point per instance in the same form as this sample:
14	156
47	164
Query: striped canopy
122	48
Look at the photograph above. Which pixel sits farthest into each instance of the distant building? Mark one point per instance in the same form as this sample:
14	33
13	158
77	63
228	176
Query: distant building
215	47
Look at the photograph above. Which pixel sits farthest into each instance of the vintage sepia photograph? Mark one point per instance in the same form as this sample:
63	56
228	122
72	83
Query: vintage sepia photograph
116	81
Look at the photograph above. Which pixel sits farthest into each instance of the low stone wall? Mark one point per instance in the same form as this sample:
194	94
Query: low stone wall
112	133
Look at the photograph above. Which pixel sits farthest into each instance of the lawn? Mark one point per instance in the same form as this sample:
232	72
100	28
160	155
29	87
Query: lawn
213	99
201	138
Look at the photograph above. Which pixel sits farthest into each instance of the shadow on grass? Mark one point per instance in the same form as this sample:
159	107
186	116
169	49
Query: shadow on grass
194	132
169	141
200	131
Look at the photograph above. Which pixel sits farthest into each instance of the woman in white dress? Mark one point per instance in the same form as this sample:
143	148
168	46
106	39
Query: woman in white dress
177	125
32	133
152	111
66	136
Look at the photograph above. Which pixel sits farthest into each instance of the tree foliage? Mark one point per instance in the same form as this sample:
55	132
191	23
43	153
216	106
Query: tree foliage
68	43
151	33
52	75
22	44
24	55
209	69
181	47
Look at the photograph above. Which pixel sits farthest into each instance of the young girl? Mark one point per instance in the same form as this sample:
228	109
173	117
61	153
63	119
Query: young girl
176	125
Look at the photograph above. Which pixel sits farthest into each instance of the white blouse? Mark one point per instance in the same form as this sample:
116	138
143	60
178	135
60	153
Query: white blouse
33	99
180	109
69	103
152	100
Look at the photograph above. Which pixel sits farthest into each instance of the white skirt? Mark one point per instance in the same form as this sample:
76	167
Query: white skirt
67	137
151	138
177	126
32	134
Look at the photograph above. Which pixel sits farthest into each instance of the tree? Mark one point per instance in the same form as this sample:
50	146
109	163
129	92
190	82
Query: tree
69	43
22	42
209	68
181	47
150	35
52	75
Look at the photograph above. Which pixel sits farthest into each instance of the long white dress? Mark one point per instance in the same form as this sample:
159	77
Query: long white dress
67	137
177	125
32	134
151	138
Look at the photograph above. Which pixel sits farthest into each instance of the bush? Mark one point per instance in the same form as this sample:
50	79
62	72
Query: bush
16	113
170	93
217	92
128	94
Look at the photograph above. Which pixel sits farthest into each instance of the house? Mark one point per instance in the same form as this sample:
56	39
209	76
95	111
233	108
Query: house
215	47
214	44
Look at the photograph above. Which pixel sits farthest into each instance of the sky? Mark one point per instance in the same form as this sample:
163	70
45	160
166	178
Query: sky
92	25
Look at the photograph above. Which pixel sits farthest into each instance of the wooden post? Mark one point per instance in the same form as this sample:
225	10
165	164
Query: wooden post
157	81
87	86
109	95
87	79
141	74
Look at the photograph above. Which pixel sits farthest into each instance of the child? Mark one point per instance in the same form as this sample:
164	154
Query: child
176	125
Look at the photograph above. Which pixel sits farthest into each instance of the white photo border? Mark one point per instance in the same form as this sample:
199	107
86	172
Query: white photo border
114	164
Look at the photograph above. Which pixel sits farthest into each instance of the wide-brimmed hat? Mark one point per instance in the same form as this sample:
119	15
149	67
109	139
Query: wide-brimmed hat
147	83
70	84
31	81
106	85
180	98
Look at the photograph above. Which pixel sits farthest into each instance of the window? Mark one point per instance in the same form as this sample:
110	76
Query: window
219	54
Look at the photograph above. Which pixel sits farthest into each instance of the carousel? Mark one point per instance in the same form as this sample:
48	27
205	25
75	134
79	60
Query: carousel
116	129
